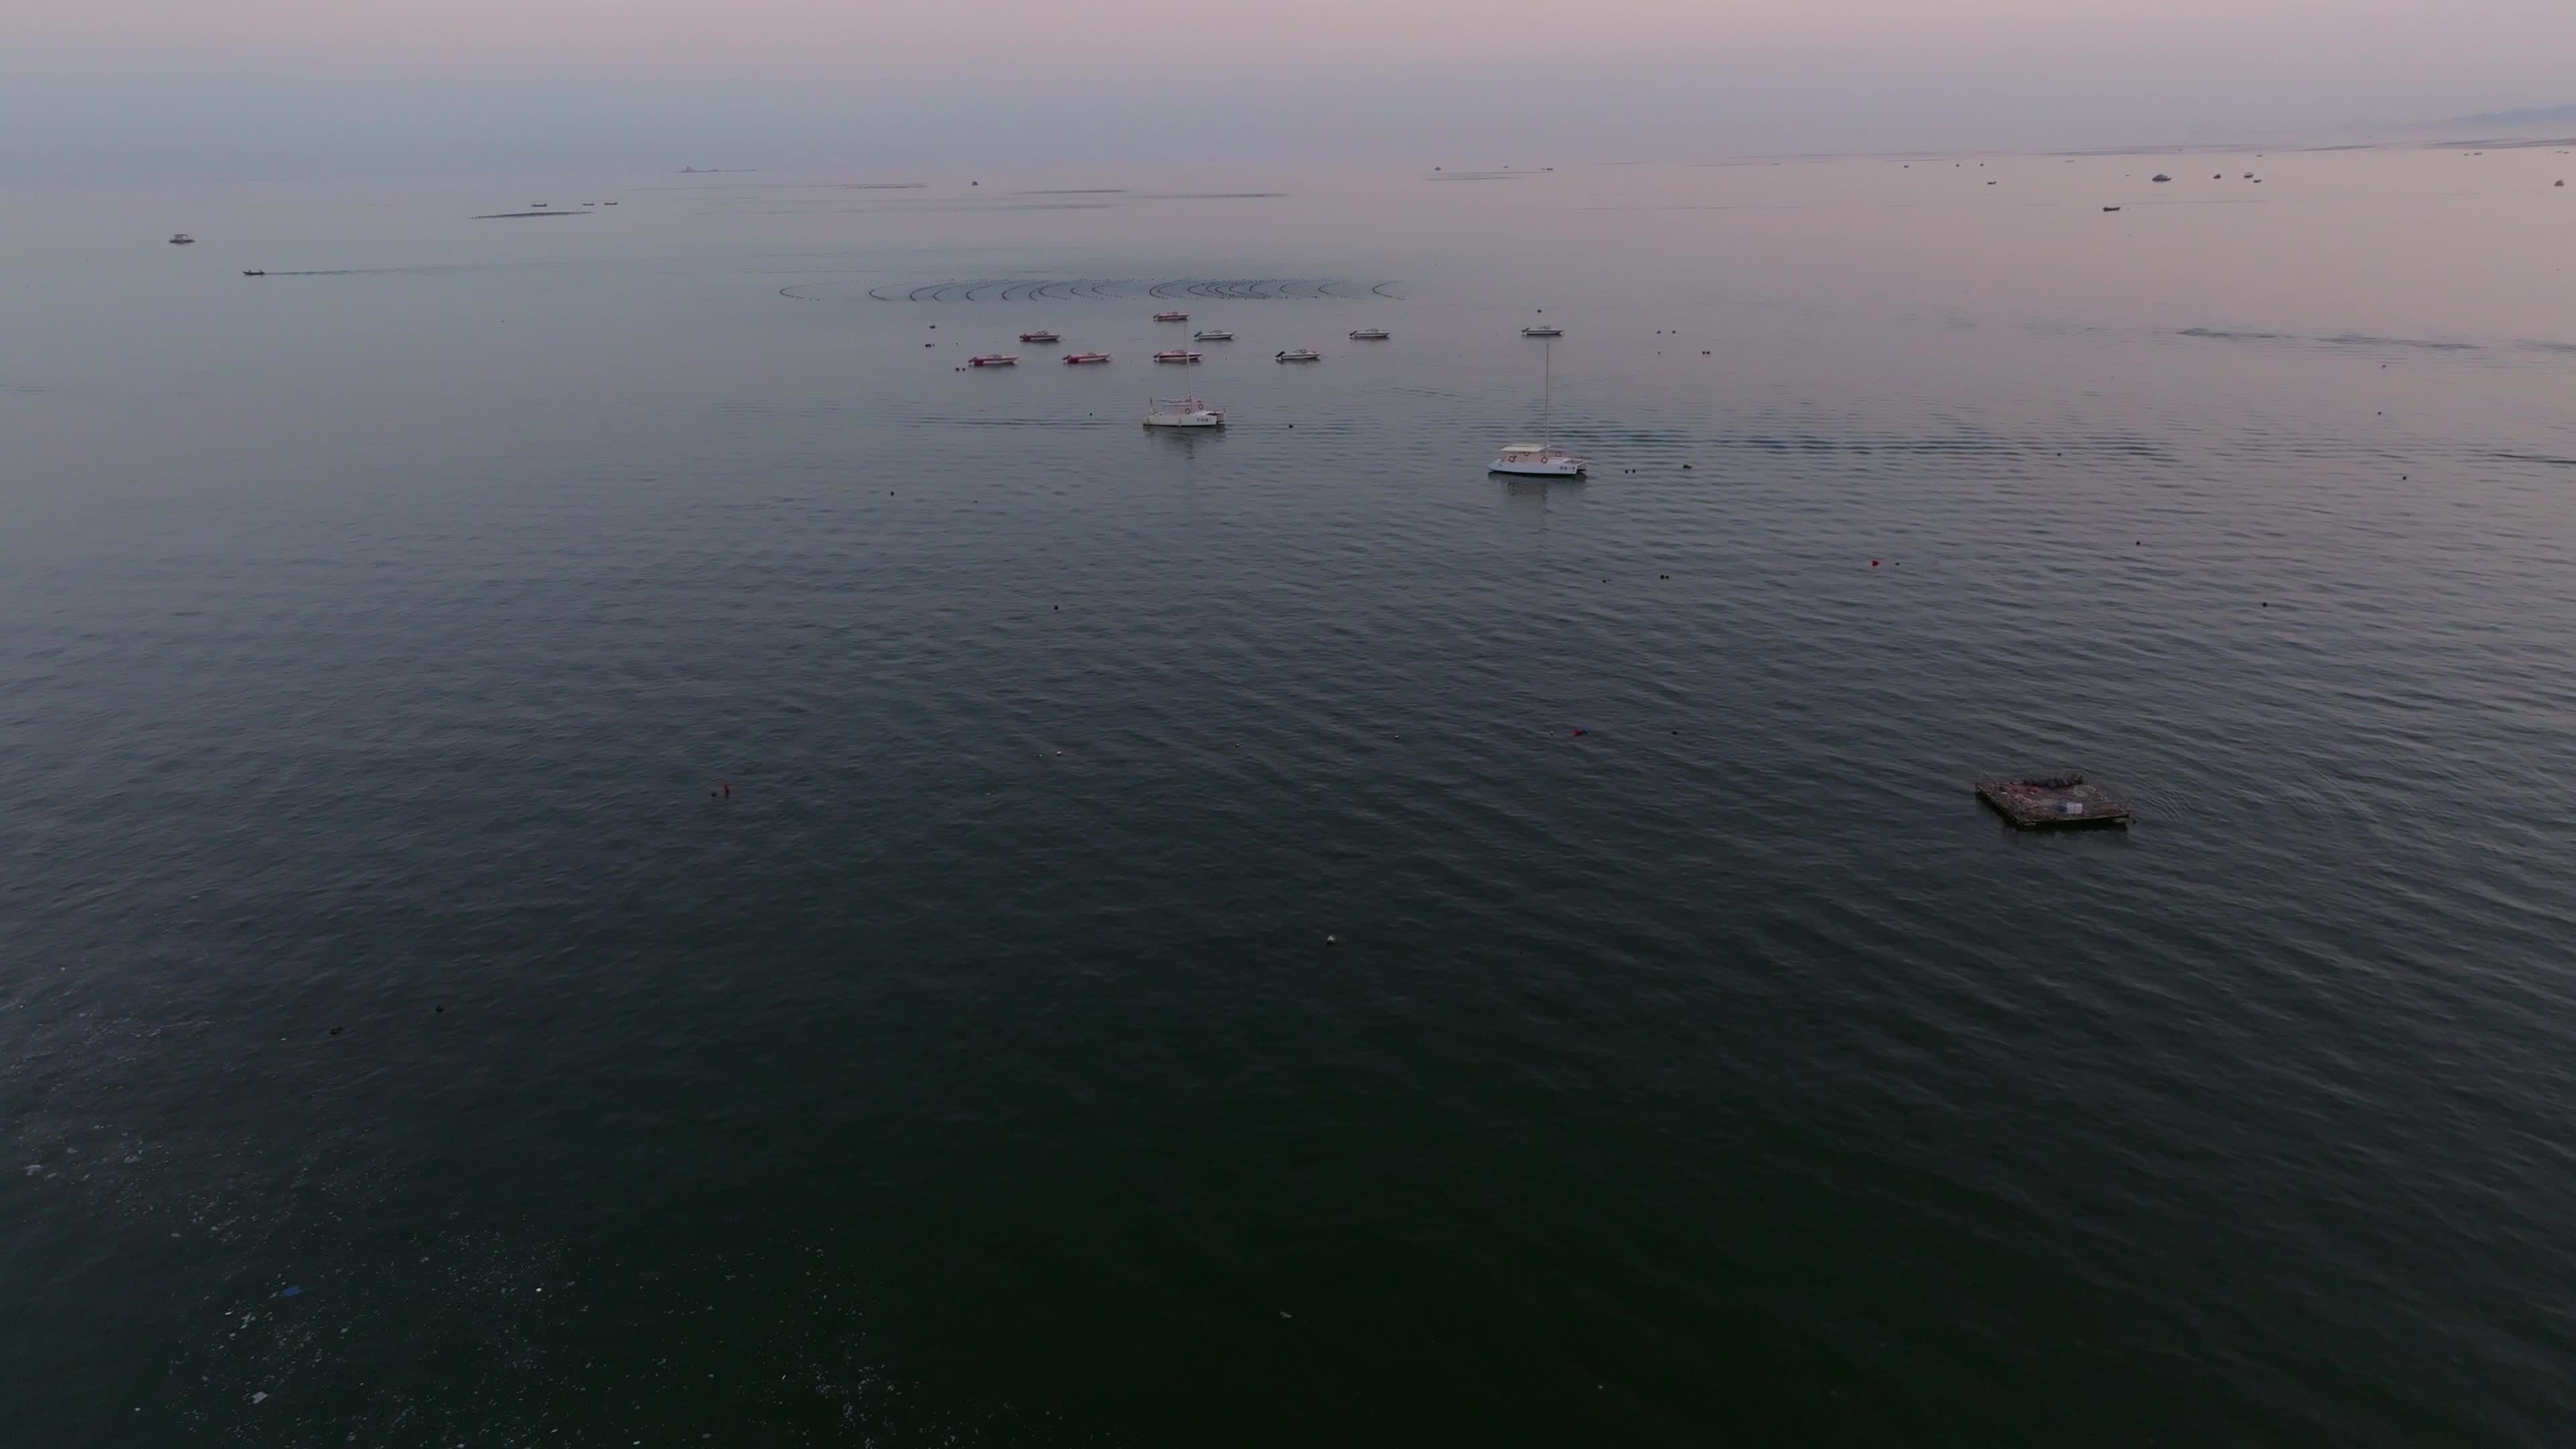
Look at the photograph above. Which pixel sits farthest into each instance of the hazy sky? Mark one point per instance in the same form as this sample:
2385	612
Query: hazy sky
270	86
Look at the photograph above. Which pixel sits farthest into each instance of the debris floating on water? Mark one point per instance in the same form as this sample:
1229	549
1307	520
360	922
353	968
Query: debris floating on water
2047	802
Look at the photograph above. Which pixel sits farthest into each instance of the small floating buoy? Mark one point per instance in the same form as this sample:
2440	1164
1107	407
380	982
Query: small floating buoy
1329	941
1873	563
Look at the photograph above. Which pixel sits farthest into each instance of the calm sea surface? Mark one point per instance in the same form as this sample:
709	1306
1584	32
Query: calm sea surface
1280	937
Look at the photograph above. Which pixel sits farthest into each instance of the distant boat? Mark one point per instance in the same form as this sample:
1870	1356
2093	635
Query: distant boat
254	274
994	359
1212	334
1182	412
1040	336
1543	330
182	239
2160	176
1080	358
1171	316
1539	460
1298	354
1177	354
536	203
608	203
1370	334
2110	208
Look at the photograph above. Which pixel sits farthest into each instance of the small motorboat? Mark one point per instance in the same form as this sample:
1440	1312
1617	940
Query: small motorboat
182	239
1542	330
1536	460
1182	412
1298	354
254	274
1079	358
994	359
1171	316
1177	354
608	203
1040	336
1212	334
2110	208
2160	176
1370	334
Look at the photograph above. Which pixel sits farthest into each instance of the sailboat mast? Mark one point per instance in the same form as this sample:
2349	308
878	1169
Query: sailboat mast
1546	391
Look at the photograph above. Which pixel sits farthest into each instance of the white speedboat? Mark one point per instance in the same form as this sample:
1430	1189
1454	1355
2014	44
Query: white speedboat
1370	334
1082	359
994	359
1171	316
1040	336
1542	330
1213	334
1176	354
1299	354
1182	412
182	239
1536	460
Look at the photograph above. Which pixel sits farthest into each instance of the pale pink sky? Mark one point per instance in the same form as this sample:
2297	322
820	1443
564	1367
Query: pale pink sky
473	81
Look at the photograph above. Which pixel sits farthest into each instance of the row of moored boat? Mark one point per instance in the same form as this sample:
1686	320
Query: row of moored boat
1184	355
1528	460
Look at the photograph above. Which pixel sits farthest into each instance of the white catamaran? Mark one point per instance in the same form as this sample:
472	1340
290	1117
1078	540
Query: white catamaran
1539	460
1182	412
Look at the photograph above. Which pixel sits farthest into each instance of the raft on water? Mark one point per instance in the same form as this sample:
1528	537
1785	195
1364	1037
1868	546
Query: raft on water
2049	802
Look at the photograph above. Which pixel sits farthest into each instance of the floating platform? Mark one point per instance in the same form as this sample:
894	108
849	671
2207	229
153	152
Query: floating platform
2053	802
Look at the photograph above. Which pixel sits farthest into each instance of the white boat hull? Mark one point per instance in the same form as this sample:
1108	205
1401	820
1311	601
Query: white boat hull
1552	468
1182	412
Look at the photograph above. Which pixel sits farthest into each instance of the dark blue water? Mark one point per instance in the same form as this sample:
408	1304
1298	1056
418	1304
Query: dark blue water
1280	937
